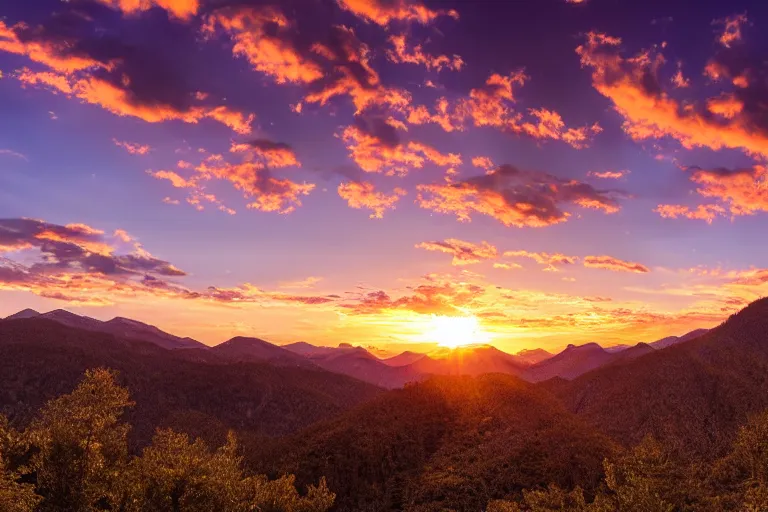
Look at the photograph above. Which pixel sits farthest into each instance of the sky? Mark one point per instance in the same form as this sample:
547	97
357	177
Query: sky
562	171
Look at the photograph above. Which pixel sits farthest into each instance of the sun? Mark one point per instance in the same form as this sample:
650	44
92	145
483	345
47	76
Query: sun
456	331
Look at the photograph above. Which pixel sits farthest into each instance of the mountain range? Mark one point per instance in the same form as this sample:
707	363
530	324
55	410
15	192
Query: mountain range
533	365
450	441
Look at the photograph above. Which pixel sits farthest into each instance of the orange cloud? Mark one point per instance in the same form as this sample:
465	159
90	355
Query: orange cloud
550	125
132	147
55	82
272	154
195	185
56	54
375	146
725	105
441	116
678	79
744	191
464	253
363	195
507	266
515	198
126	83
77	247
486	106
492	105
260	36
741	192
119	101
400	54
731	29
70	271
269	194
123	235
614	264
351	74
550	260
182	9
176	180
633	86
608	175
483	162
435	295
383	12
706	212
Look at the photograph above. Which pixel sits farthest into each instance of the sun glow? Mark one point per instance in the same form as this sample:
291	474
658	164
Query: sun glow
456	331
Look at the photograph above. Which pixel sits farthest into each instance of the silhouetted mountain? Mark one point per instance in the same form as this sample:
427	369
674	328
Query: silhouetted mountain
403	359
40	359
24	313
128	328
64	317
241	348
119	326
693	394
674	340
361	364
307	349
617	348
533	356
631	353
469	360
570	363
450	443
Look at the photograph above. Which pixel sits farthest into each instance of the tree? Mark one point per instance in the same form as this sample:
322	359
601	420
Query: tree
643	479
281	495
551	499
14	496
502	506
177	474
750	458
555	499
80	448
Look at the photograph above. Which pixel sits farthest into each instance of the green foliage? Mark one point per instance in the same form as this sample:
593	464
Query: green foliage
643	479
555	499
14	496
502	506
281	495
749	461
176	473
80	445
76	453
450	443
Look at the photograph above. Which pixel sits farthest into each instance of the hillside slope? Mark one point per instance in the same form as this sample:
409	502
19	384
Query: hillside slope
40	359
447	443
693	394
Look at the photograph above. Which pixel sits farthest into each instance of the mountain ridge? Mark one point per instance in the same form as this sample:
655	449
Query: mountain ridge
534	365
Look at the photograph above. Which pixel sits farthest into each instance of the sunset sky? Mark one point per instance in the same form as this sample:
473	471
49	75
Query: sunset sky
342	170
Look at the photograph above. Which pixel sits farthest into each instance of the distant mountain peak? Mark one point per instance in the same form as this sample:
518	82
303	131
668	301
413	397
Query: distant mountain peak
246	340
24	313
61	313
586	347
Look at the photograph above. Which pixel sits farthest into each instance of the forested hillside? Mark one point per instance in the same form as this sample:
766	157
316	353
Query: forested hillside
42	359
